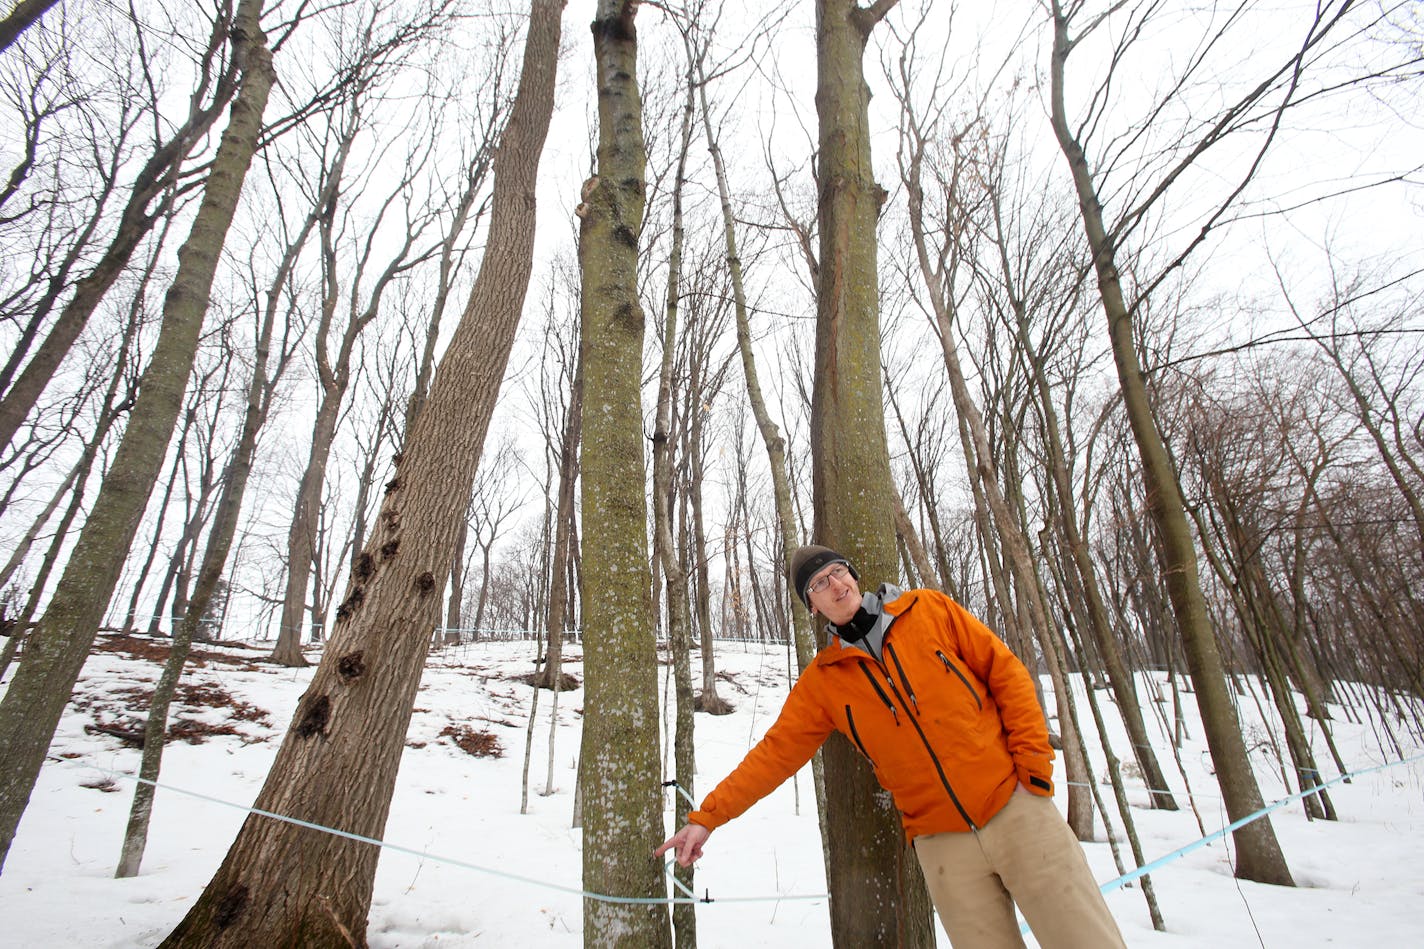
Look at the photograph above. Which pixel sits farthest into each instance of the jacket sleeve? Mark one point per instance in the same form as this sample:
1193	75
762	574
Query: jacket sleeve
1011	685
793	738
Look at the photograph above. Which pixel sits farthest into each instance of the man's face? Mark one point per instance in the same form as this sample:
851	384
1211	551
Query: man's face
838	596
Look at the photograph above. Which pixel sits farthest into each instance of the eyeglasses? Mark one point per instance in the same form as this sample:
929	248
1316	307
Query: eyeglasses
838	572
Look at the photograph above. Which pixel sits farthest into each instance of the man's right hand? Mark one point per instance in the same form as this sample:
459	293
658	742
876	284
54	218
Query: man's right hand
688	843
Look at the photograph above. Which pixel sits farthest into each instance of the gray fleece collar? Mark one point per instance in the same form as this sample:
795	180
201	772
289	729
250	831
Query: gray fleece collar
874	604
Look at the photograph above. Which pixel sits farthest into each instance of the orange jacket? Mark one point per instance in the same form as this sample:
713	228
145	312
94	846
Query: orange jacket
948	719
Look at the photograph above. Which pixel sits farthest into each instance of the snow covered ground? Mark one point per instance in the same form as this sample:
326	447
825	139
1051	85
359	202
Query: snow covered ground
1360	880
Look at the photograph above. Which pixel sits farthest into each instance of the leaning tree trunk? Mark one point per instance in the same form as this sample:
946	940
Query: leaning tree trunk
1120	676
878	896
285	885
619	766
1259	854
679	638
559	572
225	520
56	651
802	631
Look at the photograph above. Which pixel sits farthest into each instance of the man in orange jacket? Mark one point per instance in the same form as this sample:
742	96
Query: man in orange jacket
948	718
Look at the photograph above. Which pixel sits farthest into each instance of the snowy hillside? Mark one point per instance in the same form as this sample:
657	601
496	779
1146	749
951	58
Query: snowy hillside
1361	879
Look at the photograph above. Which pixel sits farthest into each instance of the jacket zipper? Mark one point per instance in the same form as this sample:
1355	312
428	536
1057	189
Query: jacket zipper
894	712
904	679
924	739
949	666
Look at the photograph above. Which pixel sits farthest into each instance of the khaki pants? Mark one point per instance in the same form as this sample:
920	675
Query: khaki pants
1026	855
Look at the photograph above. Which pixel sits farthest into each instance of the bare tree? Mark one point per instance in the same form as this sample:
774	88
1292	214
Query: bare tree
1023	278
941	252
559	404
698	35
151	196
266	373
335	366
35	701
468	209
284	884
206	397
375	442
495	498
1377	392
22	16
1264	107
704	374
1225	441
117	400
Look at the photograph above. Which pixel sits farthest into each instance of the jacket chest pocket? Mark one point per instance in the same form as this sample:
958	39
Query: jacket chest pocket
855	735
952	669
878	712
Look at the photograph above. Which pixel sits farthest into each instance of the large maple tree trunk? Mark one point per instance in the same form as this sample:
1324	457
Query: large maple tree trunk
878	897
619	768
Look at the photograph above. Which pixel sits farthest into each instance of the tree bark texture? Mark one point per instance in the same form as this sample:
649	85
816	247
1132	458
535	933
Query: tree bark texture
619	763
56	651
281	885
